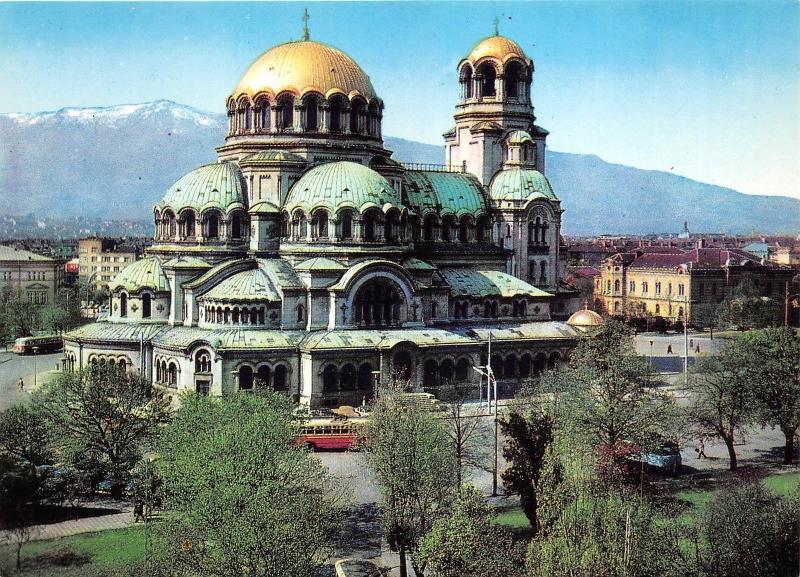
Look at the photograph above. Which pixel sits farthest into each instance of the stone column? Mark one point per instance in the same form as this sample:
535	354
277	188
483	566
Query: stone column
299	124
358	229
326	113
274	109
500	86
345	120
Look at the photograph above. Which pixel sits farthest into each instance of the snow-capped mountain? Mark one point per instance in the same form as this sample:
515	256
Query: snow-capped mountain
116	162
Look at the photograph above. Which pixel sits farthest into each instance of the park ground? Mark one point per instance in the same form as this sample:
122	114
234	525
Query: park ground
105	539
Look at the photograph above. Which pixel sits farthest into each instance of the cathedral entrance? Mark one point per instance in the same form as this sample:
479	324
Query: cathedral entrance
377	304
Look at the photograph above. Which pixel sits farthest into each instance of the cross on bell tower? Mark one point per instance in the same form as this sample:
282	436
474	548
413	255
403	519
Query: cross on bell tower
306	18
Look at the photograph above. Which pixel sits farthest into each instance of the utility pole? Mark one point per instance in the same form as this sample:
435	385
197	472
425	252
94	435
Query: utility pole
493	381
685	341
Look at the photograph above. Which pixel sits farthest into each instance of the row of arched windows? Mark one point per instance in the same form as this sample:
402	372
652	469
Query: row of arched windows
373	226
523	366
537	272
121	363
348	377
514	81
233	315
147	305
263	377
537	231
489	309
210	225
311	113
167	372
445	372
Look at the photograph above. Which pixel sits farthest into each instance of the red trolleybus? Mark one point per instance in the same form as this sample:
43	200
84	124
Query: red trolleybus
46	344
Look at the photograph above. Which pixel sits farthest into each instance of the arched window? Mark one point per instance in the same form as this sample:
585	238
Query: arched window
248	121
329	379
401	365
510	366
497	365
202	362
488	75
345	225
431	374
377	303
365	377
123	305
446	372
171	224
554	360
280	378
513	76
146	305
369	224
466	79
616	286
434	310
463	229
337	109
658	309
357	116
286	112
212	226
236	226
347	378
429	228
539	364
263	377
301	313
462	369
448	228
390	230
525	366
321	218
374	119
172	374
312	113
543	272
187	224
263	115
245	378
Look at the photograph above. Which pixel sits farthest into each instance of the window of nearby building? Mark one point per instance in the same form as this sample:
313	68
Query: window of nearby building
680	290
658	288
632	286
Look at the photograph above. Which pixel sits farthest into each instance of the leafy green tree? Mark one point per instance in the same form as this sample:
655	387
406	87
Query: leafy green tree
750	531
770	361
605	394
18	317
467	543
19	489
240	498
723	400
104	416
528	436
707	315
24	434
412	458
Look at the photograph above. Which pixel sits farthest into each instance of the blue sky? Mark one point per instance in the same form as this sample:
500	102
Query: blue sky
709	90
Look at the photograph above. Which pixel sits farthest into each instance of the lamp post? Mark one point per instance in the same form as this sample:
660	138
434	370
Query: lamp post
35	352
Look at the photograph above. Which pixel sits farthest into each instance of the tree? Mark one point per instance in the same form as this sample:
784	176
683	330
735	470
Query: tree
104	416
527	439
605	394
707	315
467	543
412	458
750	531
18	316
722	398
24	434
19	488
240	498
468	431
746	308
770	361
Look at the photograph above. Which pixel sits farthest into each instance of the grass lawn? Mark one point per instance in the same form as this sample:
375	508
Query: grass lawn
513	518
87	555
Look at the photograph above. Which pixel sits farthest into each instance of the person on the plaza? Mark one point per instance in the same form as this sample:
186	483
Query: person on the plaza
669	349
697	349
701	449
21	384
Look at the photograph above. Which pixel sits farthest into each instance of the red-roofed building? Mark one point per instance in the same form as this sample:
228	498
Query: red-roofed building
648	283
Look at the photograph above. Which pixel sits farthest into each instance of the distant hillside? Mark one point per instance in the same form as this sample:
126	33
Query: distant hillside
116	162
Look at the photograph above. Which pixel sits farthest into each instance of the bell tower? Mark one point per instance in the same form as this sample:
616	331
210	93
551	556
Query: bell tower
495	100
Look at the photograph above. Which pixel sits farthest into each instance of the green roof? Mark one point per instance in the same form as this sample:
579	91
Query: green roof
488	283
520	184
413	263
144	273
444	193
264	207
218	185
273	156
230	338
213	271
249	285
11	254
336	185
518	137
320	263
115	332
184	261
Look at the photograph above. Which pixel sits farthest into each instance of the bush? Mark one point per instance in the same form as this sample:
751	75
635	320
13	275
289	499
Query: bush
750	531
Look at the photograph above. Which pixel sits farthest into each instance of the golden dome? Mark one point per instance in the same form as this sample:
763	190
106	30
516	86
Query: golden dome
498	47
585	318
305	66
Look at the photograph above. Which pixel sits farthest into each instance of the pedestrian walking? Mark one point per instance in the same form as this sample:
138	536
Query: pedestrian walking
691	342
669	349
21	384
701	449
697	349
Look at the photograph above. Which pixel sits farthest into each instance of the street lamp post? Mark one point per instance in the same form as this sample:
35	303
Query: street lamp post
35	352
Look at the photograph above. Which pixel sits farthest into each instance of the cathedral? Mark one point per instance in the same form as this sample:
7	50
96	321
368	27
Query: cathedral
307	260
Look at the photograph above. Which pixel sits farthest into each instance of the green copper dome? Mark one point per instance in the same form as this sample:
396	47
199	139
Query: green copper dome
520	184
144	273
249	285
336	185
218	185
518	137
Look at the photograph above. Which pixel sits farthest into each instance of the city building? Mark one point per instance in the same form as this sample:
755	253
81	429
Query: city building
101	259
308	261
668	283
31	276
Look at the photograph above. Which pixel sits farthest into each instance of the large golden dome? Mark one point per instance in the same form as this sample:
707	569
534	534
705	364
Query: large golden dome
305	66
498	47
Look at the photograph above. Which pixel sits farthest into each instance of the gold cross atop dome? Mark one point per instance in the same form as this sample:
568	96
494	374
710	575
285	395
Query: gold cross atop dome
306	17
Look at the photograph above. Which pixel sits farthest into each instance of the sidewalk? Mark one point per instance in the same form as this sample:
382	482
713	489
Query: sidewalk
85	525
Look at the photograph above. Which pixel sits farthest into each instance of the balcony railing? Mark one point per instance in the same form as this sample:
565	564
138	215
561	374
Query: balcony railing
432	167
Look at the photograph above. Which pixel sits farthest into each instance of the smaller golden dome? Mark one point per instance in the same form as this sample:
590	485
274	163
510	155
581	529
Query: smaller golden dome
585	318
498	47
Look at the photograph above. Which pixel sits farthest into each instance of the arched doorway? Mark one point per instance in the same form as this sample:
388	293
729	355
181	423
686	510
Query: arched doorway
378	303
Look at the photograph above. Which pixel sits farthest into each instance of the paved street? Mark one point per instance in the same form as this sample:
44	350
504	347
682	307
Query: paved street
13	366
665	361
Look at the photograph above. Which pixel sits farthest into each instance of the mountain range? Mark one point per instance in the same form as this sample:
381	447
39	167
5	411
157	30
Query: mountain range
116	162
